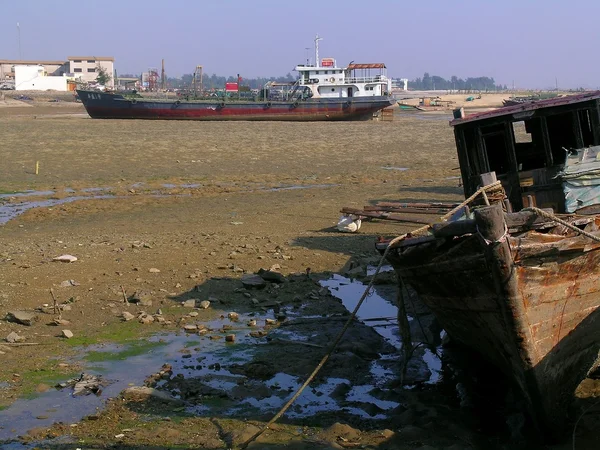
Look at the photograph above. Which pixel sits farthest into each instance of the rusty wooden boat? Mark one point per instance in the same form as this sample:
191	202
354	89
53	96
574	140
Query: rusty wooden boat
521	288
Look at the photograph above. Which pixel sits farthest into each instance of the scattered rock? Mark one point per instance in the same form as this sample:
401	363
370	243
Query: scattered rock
127	316
204	304
153	270
190	328
146	319
14	337
233	316
230	338
253	281
67	334
69	283
60	322
270	322
268	275
65	258
191	303
21	317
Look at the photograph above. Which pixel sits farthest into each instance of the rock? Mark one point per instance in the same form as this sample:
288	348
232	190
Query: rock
274	277
275	268
190	328
258	333
252	323
153	270
255	301
21	317
340	430
412	433
193	314
127	316
146	319
230	338
270	322
65	258
14	337
204	304
191	303
253	281
69	283
233	316
5	349
60	322
67	334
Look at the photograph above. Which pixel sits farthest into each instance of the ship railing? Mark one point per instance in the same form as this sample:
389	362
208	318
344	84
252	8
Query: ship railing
373	79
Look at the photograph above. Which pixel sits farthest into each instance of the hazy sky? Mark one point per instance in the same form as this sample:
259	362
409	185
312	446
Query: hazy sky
529	41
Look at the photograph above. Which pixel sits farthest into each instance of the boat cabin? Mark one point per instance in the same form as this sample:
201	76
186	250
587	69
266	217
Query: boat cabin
326	80
527	146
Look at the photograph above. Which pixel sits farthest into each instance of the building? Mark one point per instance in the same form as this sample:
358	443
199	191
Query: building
86	67
56	68
35	78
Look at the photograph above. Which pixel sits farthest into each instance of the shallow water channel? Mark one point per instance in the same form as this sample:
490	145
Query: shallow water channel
198	357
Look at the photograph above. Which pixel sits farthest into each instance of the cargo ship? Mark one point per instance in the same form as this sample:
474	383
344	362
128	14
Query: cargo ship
322	92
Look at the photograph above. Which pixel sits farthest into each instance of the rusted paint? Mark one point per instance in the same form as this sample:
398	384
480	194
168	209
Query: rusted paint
553	306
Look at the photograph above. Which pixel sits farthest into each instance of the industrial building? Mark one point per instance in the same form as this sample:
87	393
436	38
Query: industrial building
43	75
86	67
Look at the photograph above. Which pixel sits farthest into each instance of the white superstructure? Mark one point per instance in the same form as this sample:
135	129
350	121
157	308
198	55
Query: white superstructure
326	80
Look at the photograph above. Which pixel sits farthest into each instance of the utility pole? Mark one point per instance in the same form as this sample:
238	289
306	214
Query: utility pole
162	76
556	83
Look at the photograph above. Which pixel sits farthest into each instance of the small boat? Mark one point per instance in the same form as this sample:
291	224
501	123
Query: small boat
516	278
322	92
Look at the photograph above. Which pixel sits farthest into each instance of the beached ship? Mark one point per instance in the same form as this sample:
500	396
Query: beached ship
517	276
322	92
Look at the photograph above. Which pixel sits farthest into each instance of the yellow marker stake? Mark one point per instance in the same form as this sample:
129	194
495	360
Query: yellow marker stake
37	167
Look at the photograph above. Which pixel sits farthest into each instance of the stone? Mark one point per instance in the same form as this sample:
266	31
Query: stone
191	303
14	337
146	394
146	319
252	281
67	334
190	328
60	322
69	283
65	258
21	317
193	314
270	322
204	304
127	316
274	277
153	270
252	323
233	316
230	338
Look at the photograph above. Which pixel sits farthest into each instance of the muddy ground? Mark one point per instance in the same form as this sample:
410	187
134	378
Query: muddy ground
160	213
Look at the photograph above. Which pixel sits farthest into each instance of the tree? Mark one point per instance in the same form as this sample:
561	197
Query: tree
103	76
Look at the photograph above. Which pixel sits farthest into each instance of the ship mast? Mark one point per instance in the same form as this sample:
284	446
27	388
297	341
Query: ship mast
317	39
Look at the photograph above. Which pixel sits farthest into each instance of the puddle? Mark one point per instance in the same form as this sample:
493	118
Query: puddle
9	211
380	312
304	186
401	169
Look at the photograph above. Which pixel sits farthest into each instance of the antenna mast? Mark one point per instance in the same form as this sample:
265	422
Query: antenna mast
317	39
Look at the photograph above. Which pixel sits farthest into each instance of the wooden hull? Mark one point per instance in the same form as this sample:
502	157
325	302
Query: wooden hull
534	314
101	105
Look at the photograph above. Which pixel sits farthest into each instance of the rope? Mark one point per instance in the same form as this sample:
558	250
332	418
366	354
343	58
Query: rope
338	338
550	216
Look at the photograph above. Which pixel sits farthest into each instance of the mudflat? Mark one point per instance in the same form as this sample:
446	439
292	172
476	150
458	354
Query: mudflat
159	213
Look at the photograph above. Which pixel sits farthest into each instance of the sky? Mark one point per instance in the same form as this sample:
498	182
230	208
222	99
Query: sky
531	43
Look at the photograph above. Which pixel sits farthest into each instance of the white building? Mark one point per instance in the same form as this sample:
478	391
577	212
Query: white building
86	67
35	78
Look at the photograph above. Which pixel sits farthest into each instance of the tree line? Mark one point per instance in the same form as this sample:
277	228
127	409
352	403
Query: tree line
435	82
426	83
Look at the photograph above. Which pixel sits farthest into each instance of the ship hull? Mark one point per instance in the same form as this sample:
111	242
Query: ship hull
100	105
530	305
